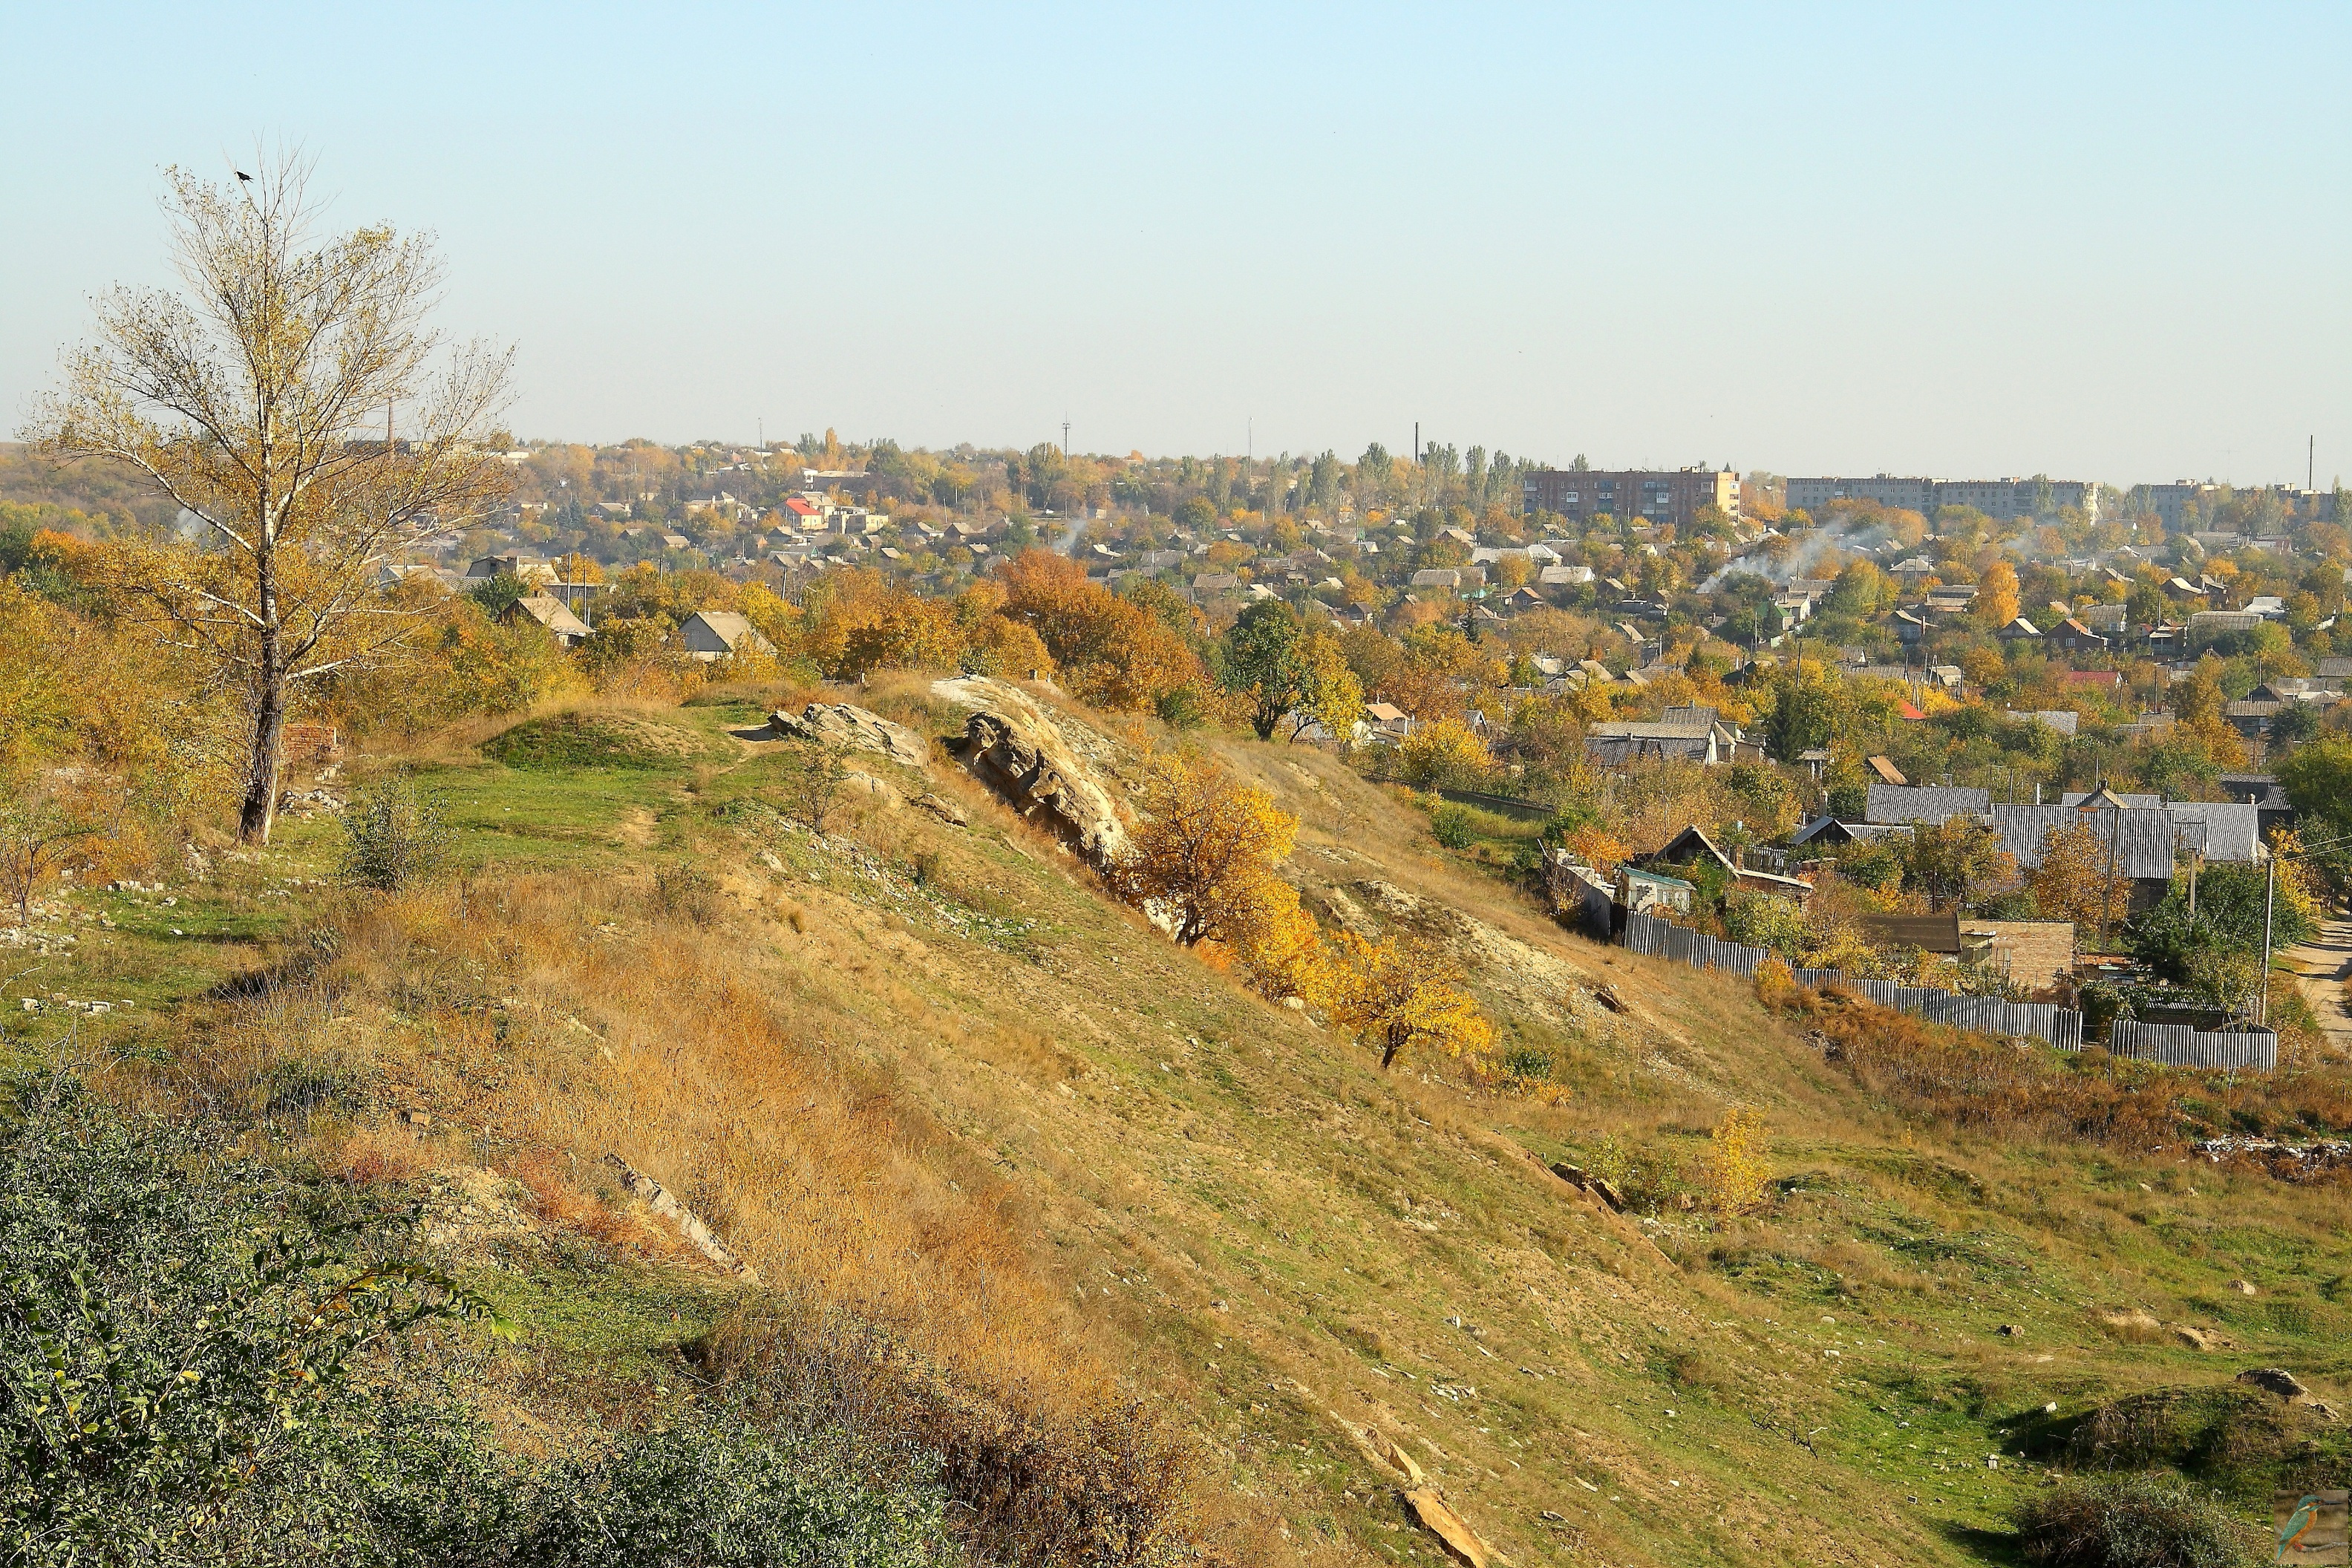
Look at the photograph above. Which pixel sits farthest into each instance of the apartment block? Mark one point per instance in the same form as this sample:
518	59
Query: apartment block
1651	496
1994	498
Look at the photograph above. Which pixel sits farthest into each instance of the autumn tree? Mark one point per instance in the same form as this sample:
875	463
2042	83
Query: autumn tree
1110	651
42	836
1996	603
259	400
1329	693
1954	857
1205	856
2073	881
1402	995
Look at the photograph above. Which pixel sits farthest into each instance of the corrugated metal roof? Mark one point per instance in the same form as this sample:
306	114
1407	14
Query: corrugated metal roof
2143	838
1925	803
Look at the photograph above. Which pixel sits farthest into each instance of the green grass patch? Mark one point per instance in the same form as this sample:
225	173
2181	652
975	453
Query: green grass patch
569	740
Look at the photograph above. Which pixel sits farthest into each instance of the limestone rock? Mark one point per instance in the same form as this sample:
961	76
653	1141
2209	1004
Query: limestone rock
2276	1380
1394	1458
852	729
689	1225
1585	1181
1462	1543
1011	745
2198	1338
880	791
943	808
2243	1287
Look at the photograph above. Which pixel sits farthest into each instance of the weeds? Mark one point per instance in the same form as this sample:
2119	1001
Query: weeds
395	835
684	890
2128	1522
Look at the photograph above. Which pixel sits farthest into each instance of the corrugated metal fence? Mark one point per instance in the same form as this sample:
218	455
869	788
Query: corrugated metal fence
2174	1044
2061	1026
2177	1045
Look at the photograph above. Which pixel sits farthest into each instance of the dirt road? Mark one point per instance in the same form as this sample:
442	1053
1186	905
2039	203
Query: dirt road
2322	965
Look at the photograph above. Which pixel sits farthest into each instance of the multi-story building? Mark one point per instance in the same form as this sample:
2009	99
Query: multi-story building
1643	495
1994	498
1887	490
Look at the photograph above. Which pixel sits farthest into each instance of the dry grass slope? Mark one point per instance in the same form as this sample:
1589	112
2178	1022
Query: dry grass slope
1152	1261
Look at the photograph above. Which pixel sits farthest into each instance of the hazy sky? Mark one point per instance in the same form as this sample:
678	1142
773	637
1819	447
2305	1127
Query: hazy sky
2100	242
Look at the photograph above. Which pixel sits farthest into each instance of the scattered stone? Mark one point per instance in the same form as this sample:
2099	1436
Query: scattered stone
2198	1338
2138	1320
2276	1380
2013	1331
689	1225
768	858
416	1118
2244	1287
853	728
943	808
1462	1543
1219	1307
1607	996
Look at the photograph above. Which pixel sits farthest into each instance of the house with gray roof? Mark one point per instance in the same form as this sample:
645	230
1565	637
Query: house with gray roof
1927	804
710	635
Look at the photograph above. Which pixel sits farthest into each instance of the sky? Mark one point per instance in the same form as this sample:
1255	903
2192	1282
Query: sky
2095	242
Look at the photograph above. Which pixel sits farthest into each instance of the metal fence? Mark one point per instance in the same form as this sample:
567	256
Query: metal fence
2061	1026
2177	1045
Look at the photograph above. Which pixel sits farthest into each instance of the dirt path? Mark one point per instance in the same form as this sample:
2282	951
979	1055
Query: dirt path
2322	965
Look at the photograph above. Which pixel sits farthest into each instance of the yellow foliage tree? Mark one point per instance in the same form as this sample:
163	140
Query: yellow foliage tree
1402	995
2073	881
1996	603
860	621
1204	857
1328	692
1735	1174
1442	753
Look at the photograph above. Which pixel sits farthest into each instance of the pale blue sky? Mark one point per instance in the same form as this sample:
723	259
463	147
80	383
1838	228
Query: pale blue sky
2104	242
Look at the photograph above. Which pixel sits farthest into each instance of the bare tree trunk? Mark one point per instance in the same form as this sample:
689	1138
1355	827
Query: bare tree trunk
260	810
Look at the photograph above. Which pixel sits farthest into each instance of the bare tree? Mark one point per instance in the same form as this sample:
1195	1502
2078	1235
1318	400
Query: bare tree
261	399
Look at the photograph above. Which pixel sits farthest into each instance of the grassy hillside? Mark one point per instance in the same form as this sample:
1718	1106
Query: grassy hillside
1148	1262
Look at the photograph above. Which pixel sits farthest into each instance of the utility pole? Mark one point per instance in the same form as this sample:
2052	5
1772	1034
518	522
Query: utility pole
2263	980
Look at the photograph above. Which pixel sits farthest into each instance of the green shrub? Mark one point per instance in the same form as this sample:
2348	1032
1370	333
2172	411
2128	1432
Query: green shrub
2125	1521
1455	825
173	1338
717	1491
393	836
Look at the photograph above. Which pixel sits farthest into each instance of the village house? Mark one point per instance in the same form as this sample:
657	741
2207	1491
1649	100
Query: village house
710	635
549	612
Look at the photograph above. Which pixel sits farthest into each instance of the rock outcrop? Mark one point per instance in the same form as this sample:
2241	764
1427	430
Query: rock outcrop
852	729
689	1225
1012	746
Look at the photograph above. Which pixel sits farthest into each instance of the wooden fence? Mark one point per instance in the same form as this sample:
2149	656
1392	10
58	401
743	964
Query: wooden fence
2177	1045
2059	1026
